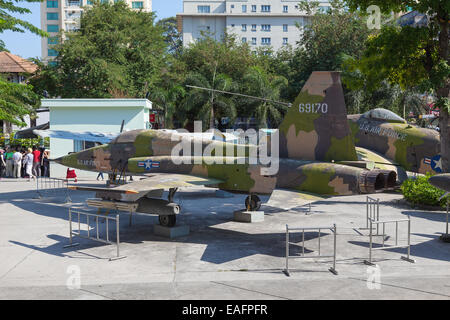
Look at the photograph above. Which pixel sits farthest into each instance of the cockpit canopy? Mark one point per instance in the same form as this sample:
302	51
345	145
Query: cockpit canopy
381	114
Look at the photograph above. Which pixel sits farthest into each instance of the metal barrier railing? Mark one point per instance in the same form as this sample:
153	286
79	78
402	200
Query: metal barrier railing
97	233
333	229
383	247
372	211
46	187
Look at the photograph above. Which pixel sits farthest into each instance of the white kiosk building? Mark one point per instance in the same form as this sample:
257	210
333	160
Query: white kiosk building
93	115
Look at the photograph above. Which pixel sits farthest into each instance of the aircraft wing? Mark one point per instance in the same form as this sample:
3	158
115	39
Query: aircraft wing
86	136
137	189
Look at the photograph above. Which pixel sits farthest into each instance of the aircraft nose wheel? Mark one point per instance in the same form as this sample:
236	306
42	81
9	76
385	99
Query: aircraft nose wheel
168	221
252	203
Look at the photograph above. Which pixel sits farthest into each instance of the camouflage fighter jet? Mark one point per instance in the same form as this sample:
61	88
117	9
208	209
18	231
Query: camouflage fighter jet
317	157
404	145
441	181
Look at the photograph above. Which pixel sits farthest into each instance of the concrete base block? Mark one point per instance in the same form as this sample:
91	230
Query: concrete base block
173	232
223	194
249	216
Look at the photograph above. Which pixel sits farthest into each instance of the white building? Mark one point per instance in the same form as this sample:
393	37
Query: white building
57	15
257	22
91	115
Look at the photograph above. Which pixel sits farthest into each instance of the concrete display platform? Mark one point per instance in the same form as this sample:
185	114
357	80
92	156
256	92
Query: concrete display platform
221	258
248	216
171	233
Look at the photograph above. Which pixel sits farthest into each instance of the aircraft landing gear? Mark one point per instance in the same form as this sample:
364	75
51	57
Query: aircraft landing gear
168	221
252	203
171	219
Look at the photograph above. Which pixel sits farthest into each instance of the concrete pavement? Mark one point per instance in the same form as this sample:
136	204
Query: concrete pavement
220	259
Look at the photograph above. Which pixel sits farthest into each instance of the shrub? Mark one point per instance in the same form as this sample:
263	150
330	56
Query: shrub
418	191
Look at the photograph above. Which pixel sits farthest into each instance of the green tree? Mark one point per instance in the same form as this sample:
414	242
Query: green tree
326	38
9	22
167	99
257	82
117	52
412	56
171	35
208	105
16	100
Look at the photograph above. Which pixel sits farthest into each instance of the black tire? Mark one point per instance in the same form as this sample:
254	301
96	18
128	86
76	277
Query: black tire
168	221
252	203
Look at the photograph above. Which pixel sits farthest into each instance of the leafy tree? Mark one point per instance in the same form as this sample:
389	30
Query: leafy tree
412	56
208	105
171	35
257	82
326	39
16	100
117	52
8	22
167	100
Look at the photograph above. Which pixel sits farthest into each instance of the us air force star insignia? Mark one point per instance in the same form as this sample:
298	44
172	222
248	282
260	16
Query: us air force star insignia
436	164
148	164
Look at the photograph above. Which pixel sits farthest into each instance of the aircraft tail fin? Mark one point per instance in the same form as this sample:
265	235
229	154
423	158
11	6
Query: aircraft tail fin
316	126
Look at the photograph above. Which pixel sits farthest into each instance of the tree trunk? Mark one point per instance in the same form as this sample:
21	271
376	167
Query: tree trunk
444	92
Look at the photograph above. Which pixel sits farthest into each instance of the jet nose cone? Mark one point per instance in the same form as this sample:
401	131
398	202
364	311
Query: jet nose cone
57	160
441	181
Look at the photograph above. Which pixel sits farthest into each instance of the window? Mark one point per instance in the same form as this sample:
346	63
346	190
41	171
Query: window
265	8
285	8
244	27
244	40
52	40
285	41
232	25
52	3
137	4
52	15
52	28
253	8
52	63
265	27
285	28
244	8
265	41
52	52
253	27
204	9
254	41
89	2
80	145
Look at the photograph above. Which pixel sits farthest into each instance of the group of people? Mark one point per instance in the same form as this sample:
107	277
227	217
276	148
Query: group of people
24	163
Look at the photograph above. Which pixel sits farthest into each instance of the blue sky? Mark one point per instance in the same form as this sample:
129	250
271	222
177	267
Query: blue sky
28	45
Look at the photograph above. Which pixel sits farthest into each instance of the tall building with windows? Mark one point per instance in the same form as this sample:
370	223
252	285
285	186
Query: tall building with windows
257	22
57	15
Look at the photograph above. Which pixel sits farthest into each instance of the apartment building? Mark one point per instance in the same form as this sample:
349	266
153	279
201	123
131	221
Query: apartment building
256	22
57	15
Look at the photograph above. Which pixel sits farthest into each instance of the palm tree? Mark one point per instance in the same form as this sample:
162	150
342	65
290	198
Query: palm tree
167	99
208	105
257	82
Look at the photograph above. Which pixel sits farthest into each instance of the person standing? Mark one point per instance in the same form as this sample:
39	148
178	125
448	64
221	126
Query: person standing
9	163
29	164
45	163
2	163
17	162
36	162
